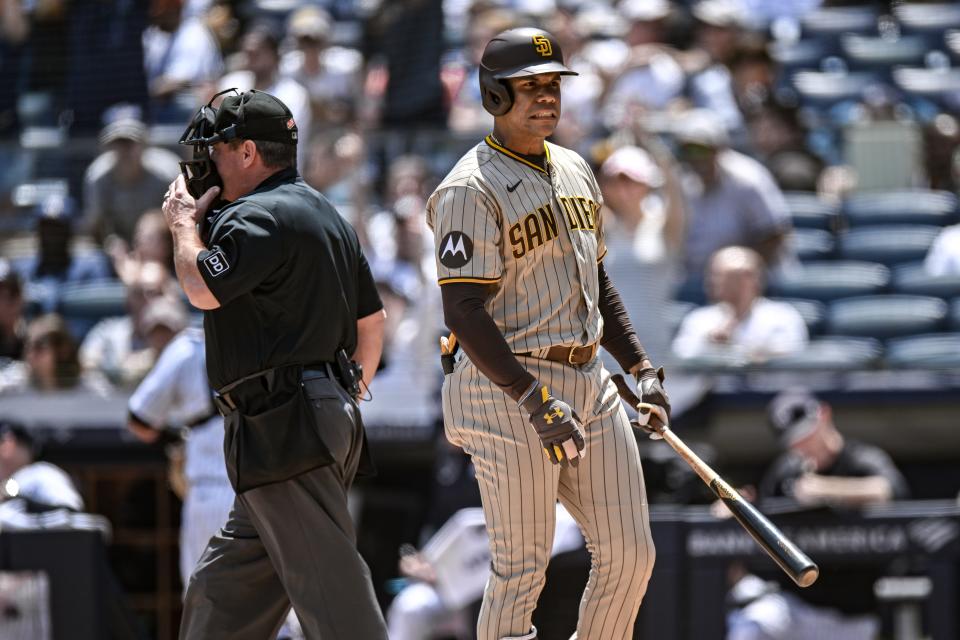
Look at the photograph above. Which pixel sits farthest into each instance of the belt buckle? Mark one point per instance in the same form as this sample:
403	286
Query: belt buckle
572	351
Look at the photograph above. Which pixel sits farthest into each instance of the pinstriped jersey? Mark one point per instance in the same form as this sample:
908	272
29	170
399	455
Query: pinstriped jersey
534	235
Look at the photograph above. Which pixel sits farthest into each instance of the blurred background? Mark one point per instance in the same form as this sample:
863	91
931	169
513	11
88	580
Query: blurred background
780	182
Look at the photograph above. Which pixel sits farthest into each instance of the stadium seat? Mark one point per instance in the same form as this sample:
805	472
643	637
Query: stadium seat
914	279
834	353
826	88
927	83
901	206
887	316
930	19
800	54
83	305
812	244
809	211
829	280
924	351
813	312
886	244
829	23
876	52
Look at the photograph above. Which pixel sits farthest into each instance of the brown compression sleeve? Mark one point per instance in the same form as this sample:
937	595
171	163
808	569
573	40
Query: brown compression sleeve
479	336
619	336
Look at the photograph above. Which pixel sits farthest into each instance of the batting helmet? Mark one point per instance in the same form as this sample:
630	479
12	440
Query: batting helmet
514	53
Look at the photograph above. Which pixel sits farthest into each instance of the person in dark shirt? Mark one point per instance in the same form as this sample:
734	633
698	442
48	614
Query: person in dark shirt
290	307
12	324
820	465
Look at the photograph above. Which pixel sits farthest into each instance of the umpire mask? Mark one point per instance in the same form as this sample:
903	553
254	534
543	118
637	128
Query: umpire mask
200	172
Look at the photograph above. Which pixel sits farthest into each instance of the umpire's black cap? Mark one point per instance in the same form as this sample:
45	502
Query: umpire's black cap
523	52
255	115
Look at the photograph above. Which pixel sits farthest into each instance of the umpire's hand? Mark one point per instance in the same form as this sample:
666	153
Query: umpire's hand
556	424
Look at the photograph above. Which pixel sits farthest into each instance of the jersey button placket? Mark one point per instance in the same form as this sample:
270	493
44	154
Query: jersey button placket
579	258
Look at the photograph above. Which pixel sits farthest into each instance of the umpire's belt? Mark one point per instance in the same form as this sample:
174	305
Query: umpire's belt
225	402
576	356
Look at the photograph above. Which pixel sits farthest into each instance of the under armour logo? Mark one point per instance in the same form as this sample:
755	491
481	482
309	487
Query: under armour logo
543	46
548	416
456	249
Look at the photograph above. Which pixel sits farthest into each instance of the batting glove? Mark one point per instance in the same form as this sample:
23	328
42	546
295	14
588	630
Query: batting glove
650	400
556	424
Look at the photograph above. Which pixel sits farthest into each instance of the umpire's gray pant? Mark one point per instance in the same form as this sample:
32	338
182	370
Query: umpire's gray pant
287	543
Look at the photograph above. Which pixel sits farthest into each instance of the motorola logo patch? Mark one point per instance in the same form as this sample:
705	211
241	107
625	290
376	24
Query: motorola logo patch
456	249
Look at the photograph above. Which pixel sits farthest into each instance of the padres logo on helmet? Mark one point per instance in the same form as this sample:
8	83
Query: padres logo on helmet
509	55
543	46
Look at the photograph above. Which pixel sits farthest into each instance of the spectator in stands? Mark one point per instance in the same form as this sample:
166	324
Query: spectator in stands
12	325
741	324
943	258
819	466
124	181
719	28
644	237
777	140
330	73
732	199
36	486
260	70
120	347
55	263
50	361
181	59
152	242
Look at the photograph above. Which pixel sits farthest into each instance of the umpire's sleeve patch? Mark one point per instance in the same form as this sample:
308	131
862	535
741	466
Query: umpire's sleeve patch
456	250
216	263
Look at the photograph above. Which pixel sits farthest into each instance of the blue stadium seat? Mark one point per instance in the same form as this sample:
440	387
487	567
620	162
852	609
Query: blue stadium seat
924	351
83	305
834	353
887	316
814	313
812	244
887	244
900	206
825	88
927	83
800	54
829	280
914	279
876	52
829	23
809	211
927	18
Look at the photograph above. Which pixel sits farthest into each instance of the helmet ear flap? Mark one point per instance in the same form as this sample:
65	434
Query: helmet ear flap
496	95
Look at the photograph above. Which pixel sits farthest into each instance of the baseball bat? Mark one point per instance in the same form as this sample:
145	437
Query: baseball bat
794	562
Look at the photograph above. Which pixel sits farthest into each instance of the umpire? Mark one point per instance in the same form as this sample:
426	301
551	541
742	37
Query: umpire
290	308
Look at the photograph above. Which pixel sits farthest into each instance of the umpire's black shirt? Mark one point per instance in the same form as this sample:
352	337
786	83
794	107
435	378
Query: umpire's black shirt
290	277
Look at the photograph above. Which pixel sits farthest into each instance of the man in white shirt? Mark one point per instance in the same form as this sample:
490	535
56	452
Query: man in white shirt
740	323
943	259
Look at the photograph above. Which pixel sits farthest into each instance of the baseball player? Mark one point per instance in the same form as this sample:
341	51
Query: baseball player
176	393
519	249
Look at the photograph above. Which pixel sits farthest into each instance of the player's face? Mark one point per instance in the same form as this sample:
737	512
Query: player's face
536	105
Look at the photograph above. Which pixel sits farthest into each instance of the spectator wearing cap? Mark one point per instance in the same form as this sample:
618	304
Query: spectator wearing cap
732	199
819	464
128	178
260	70
741	325
330	73
119	347
30	485
644	237
181	58
56	264
12	325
